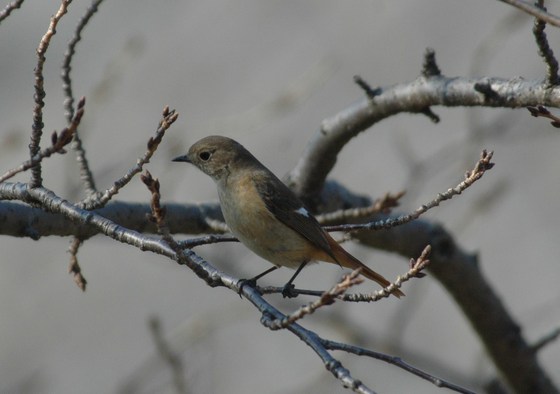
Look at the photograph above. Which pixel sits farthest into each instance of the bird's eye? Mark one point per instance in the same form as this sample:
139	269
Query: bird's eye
204	156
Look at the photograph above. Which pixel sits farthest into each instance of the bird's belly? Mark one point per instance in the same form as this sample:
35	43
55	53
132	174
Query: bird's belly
260	231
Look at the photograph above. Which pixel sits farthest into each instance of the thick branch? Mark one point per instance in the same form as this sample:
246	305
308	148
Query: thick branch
20	220
308	177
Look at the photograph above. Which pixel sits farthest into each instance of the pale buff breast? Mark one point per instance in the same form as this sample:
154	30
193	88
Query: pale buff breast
258	229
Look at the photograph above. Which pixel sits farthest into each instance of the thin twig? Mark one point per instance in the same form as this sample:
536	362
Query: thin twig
382	205
430	67
546	340
74	267
534	10
69	55
544	48
203	269
99	200
327	298
397	361
541	111
85	172
59	141
368	90
37	127
182	256
415	271
483	165
9	8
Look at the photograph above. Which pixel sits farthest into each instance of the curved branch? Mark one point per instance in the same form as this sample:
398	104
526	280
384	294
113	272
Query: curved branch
308	177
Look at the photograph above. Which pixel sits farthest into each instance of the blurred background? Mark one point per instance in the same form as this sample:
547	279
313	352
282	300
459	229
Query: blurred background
266	74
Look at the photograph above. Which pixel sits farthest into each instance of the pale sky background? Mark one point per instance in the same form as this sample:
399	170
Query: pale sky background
266	73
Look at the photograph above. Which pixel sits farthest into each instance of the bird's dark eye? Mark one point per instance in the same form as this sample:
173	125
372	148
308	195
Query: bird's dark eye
204	156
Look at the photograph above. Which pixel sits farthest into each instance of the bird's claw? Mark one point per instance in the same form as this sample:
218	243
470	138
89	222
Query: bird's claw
245	282
288	291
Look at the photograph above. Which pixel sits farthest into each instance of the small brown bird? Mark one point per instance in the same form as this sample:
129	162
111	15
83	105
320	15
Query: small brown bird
264	214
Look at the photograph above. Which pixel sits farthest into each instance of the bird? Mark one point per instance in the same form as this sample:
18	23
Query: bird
265	215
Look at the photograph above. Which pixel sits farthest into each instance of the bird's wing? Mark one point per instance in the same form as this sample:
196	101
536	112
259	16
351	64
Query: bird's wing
287	208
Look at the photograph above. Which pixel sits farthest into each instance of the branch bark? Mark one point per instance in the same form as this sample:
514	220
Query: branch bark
318	159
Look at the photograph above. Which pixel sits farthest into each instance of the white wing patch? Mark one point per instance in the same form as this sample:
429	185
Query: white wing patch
302	211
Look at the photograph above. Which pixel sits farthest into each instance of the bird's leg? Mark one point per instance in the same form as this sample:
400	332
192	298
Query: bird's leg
287	290
253	281
268	271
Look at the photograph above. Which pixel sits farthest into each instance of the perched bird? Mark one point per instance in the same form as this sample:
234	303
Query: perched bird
264	214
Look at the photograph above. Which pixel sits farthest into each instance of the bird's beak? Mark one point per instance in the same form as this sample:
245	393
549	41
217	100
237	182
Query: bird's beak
184	158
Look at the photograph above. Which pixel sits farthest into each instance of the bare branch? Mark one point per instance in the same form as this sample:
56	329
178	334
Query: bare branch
545	113
368	90
415	271
69	55
534	10
430	67
74	267
9	8
37	127
59	141
99	200
181	255
85	173
308	177
546	340
327	298
397	361
381	205
483	165
544	48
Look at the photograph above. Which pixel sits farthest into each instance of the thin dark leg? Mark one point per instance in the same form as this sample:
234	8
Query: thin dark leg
253	281
288	287
268	271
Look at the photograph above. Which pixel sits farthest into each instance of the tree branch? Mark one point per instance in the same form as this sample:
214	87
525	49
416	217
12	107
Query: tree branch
85	172
308	177
9	8
37	127
534	10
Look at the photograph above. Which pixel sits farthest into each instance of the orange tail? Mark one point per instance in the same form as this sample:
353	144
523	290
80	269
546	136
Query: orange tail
347	260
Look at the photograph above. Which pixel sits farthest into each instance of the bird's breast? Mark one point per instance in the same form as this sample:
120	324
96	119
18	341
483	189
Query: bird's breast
257	228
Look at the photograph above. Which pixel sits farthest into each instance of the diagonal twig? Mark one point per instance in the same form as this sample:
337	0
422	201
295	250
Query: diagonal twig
542	111
534	10
37	127
397	361
483	165
59	141
327	298
99	200
9	8
74	267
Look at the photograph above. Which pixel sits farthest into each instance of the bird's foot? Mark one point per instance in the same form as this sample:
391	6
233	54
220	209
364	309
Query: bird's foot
246	282
288	291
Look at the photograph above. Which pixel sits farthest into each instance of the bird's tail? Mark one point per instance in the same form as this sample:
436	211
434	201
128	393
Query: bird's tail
345	259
